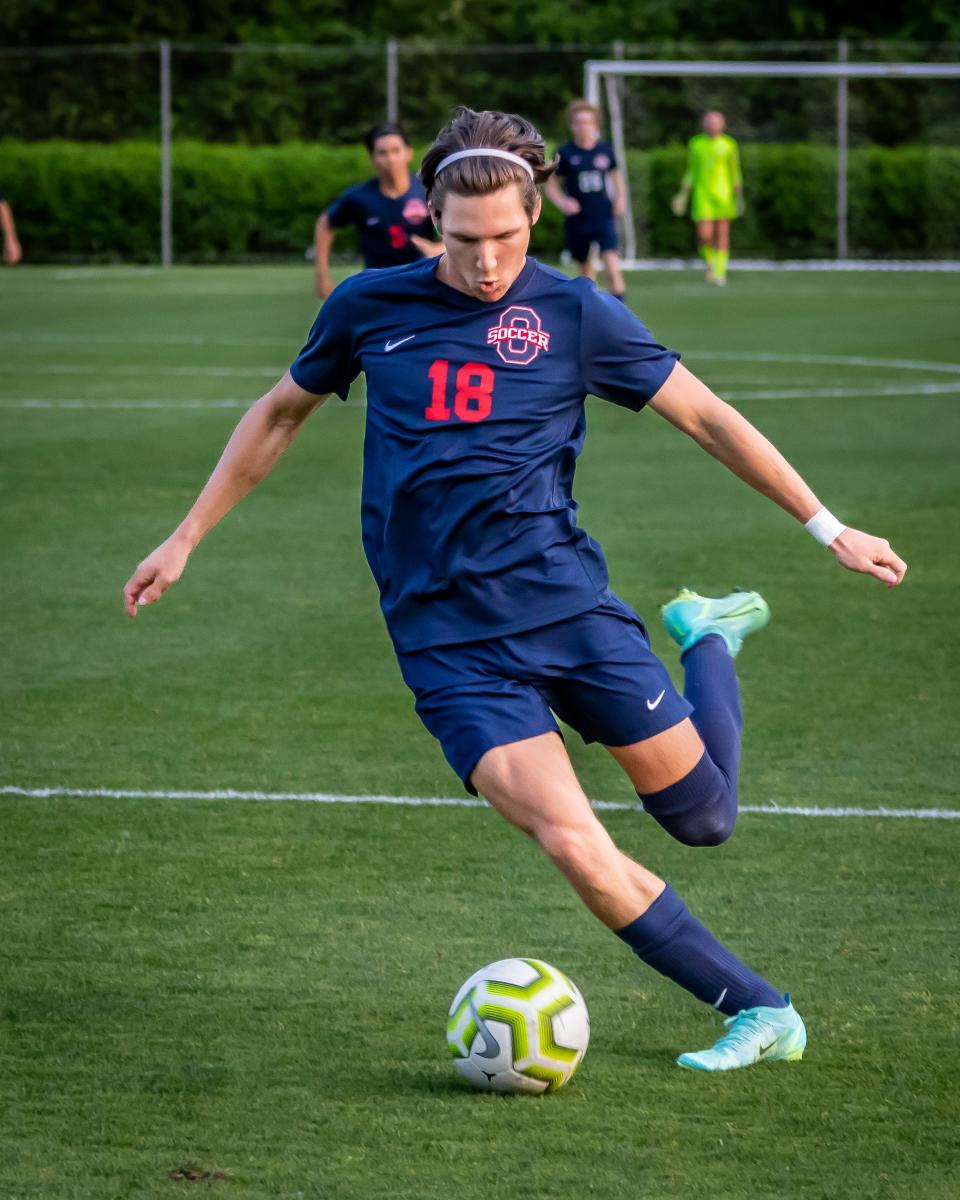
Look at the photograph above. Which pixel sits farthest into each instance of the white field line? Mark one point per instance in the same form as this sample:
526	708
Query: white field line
833	265
921	389
827	360
144	369
127	403
141	339
918	389
779	810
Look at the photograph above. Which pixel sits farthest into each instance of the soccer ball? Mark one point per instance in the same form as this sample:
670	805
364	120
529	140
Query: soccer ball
518	1025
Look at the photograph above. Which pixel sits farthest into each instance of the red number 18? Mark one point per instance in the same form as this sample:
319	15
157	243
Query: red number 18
473	398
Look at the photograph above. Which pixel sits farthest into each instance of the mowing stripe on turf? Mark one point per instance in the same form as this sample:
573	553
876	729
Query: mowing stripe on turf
827	360
777	810
745	356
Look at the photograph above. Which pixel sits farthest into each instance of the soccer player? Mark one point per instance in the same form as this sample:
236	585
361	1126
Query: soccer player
12	253
589	172
713	176
389	211
497	602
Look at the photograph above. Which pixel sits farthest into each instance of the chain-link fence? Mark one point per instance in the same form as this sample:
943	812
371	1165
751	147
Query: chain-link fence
266	94
228	97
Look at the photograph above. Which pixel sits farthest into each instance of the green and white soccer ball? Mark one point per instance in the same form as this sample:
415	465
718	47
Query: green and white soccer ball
518	1025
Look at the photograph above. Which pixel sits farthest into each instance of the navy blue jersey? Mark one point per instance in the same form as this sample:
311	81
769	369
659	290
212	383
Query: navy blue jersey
584	174
384	223
475	419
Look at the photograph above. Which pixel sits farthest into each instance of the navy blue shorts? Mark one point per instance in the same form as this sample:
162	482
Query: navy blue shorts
579	240
596	671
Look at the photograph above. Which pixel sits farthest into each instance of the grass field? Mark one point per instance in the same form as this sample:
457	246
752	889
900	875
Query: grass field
258	990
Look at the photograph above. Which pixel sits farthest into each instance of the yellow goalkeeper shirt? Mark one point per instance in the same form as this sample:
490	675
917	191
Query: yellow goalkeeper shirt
713	172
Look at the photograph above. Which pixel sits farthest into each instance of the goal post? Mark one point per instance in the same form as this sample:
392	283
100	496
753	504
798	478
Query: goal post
603	77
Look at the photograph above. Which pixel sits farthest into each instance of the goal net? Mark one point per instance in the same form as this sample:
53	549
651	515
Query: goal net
844	163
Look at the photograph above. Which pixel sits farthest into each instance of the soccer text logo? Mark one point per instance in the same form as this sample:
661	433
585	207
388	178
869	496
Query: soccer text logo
519	336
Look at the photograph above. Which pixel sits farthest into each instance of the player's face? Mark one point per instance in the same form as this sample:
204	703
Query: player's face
713	123
485	240
583	126
390	156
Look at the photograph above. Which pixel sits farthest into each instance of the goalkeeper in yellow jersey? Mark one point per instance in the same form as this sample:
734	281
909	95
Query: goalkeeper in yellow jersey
713	176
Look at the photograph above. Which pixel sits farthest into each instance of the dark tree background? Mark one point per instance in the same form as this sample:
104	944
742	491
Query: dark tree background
450	51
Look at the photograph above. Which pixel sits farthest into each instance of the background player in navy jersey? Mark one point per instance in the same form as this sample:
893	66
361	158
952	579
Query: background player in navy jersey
389	211
589	172
477	367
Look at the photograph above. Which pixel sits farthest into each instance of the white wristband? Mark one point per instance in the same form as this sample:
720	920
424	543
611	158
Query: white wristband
825	527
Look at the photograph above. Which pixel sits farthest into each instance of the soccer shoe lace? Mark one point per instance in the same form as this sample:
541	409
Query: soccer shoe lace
745	1029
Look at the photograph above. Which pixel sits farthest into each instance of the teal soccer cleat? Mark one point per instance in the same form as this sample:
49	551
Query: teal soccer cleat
689	617
756	1035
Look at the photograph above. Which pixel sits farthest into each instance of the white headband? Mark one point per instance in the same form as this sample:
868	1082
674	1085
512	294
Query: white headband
484	152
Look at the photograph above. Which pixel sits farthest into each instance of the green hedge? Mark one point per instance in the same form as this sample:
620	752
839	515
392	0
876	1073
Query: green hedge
92	201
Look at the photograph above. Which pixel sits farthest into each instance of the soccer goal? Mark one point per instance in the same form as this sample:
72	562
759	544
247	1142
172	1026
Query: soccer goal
827	185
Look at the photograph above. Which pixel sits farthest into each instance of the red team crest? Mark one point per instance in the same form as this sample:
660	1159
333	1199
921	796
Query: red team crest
415	211
519	336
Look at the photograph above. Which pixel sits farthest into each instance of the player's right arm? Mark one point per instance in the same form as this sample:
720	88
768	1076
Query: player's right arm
555	193
323	236
262	435
687	402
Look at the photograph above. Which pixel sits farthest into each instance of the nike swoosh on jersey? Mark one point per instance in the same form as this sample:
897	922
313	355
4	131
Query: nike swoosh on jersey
399	342
652	704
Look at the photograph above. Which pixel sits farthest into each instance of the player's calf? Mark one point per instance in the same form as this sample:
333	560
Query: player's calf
612	886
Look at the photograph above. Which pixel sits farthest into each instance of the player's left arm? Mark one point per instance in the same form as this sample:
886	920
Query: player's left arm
12	253
619	193
723	432
426	247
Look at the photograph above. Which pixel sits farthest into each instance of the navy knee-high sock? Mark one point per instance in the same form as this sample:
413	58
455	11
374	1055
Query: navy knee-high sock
711	687
701	808
674	943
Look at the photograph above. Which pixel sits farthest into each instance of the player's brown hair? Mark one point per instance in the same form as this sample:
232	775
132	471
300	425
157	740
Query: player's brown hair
480	176
384	129
582	105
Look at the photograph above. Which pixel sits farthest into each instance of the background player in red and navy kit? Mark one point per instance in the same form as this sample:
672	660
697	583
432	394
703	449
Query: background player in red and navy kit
477	368
589	172
389	211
